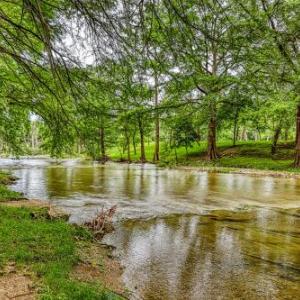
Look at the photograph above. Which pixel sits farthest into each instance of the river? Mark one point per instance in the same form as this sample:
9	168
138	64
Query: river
182	234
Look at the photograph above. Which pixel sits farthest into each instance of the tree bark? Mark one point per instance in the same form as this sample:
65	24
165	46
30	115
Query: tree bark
102	143
212	125
286	134
297	154
141	130
235	128
79	146
134	143
127	137
33	135
244	135
211	141
157	125
275	140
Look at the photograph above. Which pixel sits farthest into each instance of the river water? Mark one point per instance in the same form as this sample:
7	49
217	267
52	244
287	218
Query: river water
182	234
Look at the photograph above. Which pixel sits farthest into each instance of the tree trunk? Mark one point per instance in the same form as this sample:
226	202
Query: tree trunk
286	134
102	143
134	143
212	126
244	134
186	152
128	151
33	135
127	137
258	134
157	127
211	141
275	140
235	127
141	129
198	135
78	146
297	154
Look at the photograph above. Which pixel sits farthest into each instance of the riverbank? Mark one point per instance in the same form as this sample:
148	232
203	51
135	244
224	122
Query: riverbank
241	171
45	257
251	158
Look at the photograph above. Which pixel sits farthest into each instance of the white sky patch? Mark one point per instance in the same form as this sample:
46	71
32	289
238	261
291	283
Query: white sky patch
76	42
33	117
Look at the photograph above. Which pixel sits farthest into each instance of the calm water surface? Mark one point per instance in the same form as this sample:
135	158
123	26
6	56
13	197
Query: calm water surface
183	234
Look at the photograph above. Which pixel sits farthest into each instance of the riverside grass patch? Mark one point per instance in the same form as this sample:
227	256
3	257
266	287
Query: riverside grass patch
7	194
48	248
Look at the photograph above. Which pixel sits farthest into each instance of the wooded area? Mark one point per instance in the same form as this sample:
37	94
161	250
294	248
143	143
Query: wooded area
211	87
86	77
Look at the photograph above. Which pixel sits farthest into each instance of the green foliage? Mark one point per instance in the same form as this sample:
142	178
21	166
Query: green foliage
180	63
182	133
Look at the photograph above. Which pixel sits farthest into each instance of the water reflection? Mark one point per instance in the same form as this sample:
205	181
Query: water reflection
146	191
203	236
203	257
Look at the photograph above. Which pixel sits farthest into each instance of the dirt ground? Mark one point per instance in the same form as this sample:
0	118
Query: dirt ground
98	265
16	284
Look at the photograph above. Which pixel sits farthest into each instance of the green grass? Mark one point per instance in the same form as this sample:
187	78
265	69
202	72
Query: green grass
250	155
116	153
49	249
5	192
6	178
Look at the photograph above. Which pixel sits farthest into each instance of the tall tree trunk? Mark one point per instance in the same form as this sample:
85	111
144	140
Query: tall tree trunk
297	154
134	143
258	134
141	129
286	134
127	137
157	126
78	146
176	157
275	140
212	125
244	134
198	135
102	143
211	141
33	135
235	127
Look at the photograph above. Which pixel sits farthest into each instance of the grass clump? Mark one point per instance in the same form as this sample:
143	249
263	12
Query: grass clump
5	193
49	249
6	178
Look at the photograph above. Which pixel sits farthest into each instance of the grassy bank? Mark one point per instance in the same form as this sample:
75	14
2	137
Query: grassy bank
47	251
5	192
249	155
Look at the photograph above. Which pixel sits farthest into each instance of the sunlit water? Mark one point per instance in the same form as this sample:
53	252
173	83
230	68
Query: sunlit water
183	234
